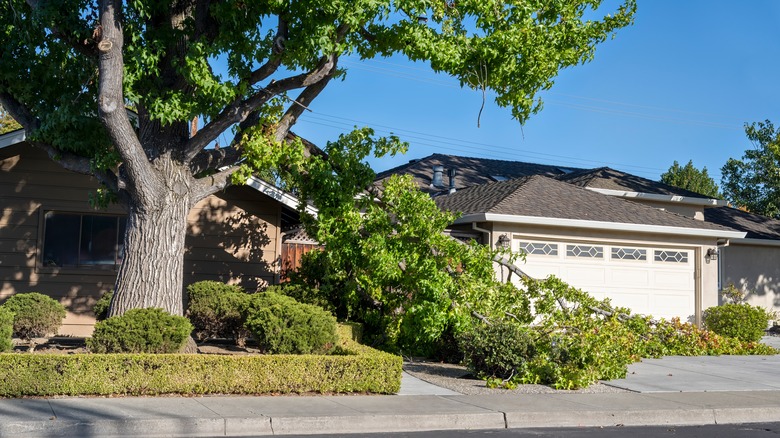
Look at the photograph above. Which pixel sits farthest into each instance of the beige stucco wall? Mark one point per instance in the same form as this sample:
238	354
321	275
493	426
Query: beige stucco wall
232	236
755	269
706	270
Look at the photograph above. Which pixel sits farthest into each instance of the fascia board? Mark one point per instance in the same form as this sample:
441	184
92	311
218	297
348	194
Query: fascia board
755	242
12	138
599	225
662	198
278	194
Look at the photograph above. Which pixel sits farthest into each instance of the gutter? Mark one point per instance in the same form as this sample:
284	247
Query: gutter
12	138
756	242
482	230
599	225
690	200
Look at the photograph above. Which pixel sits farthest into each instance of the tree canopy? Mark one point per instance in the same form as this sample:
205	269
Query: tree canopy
690	178
753	183
248	69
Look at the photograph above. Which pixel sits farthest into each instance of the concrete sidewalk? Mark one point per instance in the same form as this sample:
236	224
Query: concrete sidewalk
241	416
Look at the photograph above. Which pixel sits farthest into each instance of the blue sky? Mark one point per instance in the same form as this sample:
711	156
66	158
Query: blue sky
677	85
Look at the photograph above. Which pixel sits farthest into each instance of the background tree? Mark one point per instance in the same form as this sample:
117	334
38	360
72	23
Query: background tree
690	178
753	183
69	69
7	123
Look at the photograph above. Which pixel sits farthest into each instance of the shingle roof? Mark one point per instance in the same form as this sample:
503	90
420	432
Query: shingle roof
470	171
606	178
756	226
540	196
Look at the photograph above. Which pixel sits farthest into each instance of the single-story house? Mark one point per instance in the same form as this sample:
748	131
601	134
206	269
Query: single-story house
53	242
654	248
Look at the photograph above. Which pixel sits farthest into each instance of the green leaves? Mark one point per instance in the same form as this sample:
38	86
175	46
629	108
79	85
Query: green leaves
753	183
690	178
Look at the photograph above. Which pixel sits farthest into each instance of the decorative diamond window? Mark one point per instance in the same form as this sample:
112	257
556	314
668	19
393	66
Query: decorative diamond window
539	248
629	254
671	256
585	251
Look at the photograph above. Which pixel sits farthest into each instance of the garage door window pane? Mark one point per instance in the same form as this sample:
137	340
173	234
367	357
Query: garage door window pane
671	256
585	251
539	248
629	254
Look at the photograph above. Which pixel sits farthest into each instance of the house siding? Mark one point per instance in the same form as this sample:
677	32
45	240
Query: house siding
232	236
755	270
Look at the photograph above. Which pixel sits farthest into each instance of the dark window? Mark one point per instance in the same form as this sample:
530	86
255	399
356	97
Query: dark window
75	240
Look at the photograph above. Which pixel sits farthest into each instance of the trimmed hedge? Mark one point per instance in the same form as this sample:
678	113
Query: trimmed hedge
6	329
356	369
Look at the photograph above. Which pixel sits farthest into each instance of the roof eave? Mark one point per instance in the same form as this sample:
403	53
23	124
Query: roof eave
756	242
276	193
689	200
600	225
12	138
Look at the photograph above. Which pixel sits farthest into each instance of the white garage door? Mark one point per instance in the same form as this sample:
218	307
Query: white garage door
656	281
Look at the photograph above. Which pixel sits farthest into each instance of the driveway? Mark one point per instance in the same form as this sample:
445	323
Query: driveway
704	373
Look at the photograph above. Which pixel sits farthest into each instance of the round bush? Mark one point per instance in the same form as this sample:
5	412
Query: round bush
35	315
282	325
6	329
149	330
741	321
498	350
100	309
216	310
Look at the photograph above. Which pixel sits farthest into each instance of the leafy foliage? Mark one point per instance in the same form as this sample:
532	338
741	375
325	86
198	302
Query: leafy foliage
7	123
690	178
282	325
6	329
385	261
218	310
741	321
100	309
753	183
577	340
35	315
150	330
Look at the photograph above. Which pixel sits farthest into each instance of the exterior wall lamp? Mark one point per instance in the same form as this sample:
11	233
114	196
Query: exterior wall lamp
712	254
504	241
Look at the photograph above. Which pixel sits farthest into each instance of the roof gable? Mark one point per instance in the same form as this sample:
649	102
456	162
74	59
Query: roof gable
611	179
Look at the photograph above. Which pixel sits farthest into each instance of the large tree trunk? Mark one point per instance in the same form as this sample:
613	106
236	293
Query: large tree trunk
152	269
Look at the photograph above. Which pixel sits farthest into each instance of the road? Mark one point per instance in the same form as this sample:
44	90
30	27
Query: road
753	430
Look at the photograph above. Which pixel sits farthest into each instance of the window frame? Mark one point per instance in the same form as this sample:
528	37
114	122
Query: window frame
40	267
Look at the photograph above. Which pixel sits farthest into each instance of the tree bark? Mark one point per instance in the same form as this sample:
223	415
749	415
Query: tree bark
152	271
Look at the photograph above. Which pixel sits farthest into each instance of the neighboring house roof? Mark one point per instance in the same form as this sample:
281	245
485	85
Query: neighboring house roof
542	200
756	226
470	171
611	179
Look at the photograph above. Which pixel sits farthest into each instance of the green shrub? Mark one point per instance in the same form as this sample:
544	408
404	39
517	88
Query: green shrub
282	325
741	321
501	349
356	369
35	315
217	310
100	309
6	329
140	331
303	293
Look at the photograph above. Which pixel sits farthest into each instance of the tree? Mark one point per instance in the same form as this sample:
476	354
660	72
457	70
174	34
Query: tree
386	261
753	183
69	70
690	178
7	123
